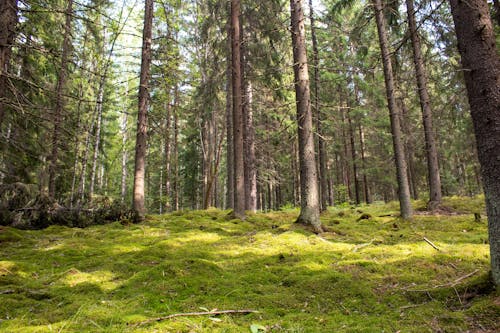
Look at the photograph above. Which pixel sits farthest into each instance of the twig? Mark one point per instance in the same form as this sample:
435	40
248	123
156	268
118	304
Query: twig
449	284
188	314
431	244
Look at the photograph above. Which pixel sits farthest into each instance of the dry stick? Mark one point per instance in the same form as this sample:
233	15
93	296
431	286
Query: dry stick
431	244
449	284
208	313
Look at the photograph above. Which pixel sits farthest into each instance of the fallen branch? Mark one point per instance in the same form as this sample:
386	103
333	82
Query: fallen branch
451	284
190	314
431	244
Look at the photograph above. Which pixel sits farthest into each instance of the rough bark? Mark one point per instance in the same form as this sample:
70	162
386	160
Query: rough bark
142	121
322	175
309	207
239	173
8	17
481	63
434	178
60	101
399	155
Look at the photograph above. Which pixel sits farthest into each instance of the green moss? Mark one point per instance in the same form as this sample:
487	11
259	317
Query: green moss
370	275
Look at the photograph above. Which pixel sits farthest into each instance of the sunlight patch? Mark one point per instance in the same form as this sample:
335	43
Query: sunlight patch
105	279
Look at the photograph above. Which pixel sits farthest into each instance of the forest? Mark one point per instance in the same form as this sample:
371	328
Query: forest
253	166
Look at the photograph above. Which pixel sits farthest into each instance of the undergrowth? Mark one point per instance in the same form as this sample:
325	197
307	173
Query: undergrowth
375	274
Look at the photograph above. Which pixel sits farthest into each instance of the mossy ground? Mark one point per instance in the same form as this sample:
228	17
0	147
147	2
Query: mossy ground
371	275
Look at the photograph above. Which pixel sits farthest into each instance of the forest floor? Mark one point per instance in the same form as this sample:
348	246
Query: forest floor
376	274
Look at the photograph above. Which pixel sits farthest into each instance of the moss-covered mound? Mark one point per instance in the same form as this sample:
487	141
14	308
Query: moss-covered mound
364	275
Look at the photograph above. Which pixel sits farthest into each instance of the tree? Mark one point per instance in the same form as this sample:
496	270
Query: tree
425	104
481	64
142	121
323	181
309	206
60	102
399	155
239	173
8	15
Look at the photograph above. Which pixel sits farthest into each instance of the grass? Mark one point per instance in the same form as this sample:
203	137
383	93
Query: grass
371	275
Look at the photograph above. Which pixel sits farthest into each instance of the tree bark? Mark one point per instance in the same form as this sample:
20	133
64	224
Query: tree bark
434	178
309	207
239	173
399	155
229	126
363	163
481	63
8	17
60	101
322	176
142	120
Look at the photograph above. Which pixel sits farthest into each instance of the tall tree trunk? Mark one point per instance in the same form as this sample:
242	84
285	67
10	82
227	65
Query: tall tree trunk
97	142
435	195
123	130
8	17
363	162
353	153
229	127
175	185
409	144
322	176
239	173
309	207
248	132
167	158
481	63
60	101
402	177
249	141
142	120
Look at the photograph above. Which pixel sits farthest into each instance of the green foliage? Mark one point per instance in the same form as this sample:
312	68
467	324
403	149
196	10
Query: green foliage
368	276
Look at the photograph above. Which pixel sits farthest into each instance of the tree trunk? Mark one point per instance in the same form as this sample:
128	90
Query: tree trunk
402	177
60	102
353	154
8	17
175	185
435	196
322	176
239	173
229	127
97	142
309	207
142	121
167	155
123	130
481	63
368	199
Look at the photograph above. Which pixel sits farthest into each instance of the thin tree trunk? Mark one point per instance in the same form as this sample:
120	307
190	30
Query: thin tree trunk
322	176
124	156
481	63
435	195
353	155
366	186
175	185
60	102
142	120
167	156
309	207
229	127
97	142
8	17
239	173
409	149
402	177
